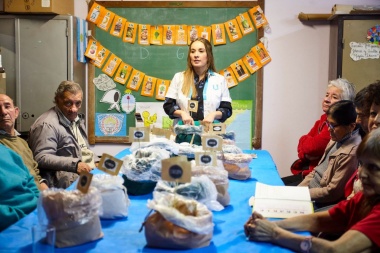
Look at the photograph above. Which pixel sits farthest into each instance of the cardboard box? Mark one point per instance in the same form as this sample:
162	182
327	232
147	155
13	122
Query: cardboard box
63	7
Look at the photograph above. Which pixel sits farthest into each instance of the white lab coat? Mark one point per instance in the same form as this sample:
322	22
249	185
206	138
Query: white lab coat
214	92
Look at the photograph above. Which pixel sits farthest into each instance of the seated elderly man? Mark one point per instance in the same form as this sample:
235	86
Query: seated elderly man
18	191
59	141
9	137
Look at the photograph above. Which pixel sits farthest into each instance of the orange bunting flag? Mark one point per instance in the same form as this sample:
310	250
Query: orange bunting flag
144	35
240	70
205	32
251	62
162	87
156	35
106	20
117	27
245	23
130	32
258	16
122	73
101	56
168	35
94	14
92	48
261	53
181	35
233	30
192	33
230	77
135	80
218	34
111	65
149	84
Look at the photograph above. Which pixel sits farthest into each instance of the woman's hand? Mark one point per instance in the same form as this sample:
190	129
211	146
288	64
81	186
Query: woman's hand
251	219
259	229
210	117
187	119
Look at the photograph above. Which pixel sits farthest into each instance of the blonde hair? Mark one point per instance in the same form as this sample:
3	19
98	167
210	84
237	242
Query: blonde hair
188	82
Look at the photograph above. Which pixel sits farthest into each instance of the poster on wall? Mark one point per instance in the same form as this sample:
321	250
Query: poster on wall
241	123
110	124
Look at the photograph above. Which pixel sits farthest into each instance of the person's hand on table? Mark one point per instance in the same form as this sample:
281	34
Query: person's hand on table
83	167
257	228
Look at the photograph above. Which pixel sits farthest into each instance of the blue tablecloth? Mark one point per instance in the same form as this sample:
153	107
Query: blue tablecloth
123	235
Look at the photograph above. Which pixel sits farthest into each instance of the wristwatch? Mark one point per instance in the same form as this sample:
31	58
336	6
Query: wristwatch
306	244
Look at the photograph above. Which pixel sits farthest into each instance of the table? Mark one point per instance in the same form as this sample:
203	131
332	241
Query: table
122	235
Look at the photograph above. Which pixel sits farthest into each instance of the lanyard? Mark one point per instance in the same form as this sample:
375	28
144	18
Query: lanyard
204	89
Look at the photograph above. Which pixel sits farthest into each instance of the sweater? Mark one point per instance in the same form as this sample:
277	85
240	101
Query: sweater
18	192
20	146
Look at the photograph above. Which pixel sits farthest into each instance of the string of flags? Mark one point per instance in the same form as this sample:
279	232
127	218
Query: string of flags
161	35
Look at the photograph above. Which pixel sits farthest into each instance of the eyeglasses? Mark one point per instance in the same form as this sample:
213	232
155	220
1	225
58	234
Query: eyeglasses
329	125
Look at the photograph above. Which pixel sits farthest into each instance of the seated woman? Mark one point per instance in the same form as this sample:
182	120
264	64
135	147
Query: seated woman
327	181
369	118
18	191
357	219
312	145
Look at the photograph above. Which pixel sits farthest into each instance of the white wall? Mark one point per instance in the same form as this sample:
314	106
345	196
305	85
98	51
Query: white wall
295	80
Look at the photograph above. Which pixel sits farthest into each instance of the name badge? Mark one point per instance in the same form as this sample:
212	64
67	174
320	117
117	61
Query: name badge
192	106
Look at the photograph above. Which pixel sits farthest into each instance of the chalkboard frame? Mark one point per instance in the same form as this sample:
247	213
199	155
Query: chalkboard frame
256	139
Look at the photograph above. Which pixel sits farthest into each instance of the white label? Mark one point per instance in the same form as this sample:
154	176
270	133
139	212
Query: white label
45	3
361	51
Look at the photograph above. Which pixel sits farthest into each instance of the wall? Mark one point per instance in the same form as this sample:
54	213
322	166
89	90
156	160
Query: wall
294	82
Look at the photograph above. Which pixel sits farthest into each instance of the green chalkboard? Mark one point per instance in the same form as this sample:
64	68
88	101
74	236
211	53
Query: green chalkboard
164	61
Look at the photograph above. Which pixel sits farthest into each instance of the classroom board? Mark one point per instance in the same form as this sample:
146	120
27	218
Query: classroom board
164	61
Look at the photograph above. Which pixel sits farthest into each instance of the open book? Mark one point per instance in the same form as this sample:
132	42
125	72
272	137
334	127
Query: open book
281	201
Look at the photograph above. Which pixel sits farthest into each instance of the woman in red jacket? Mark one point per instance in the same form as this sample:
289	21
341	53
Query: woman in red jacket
312	145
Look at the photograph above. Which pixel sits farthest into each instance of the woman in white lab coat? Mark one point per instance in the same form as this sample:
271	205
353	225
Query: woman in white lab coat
198	93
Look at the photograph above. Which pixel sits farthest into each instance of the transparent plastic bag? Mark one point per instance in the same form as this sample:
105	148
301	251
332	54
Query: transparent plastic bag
114	195
144	164
157	142
71	213
188	149
178	223
200	188
237	165
186	213
218	175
